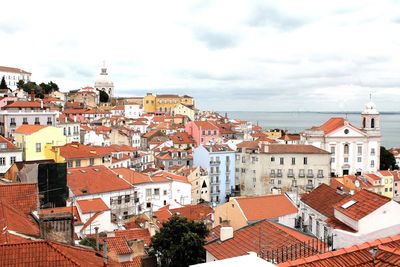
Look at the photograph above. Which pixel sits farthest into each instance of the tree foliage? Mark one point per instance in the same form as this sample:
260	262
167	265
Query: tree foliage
3	84
180	242
387	160
40	90
104	97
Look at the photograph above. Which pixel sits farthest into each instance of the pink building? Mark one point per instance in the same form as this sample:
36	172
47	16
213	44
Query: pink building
203	132
6	100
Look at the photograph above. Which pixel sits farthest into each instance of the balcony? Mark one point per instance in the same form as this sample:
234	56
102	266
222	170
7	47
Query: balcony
302	175
310	175
279	174
13	124
290	175
214	182
214	162
320	176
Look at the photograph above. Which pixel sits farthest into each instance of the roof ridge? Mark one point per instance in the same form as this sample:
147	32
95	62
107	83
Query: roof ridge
50	244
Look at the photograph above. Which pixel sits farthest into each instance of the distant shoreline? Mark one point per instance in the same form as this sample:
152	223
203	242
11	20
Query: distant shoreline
315	112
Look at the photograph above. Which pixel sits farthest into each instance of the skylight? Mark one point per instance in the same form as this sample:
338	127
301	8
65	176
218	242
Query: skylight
348	204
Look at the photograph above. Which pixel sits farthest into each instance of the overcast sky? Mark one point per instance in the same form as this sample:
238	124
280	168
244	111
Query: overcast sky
229	55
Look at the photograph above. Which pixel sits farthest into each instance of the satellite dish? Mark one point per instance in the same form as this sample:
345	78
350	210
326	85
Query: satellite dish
357	183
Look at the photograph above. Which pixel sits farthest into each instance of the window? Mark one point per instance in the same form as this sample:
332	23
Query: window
346	160
78	163
346	149
281	161
333	150
243	159
38	147
279	173
165	192
127	198
320	174
156	191
49	122
301	173
305	161
272	181
119	199
372	123
290	173
332	160
272	159
372	163
279	181
24	120
372	151
148	205
2	161
359	150
12	160
37	122
91	162
310	173
12	121
69	164
293	161
148	192
272	174
359	159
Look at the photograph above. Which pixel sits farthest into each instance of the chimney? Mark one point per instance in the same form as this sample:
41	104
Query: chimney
105	259
75	119
339	190
226	233
97	237
137	247
32	95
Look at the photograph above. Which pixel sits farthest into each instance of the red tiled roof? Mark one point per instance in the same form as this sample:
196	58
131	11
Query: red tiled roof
76	150
118	245
22	196
294	149
248	144
265	207
29	129
139	233
10	145
92	205
47	253
265	234
205	125
24	104
181	138
354	256
123	158
198	212
12	219
132	176
332	124
322	199
366	203
94	180
13	70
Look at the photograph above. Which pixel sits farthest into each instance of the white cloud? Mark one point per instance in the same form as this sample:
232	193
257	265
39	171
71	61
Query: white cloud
243	55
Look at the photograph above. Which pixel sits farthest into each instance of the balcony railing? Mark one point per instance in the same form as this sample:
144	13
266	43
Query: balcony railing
215	162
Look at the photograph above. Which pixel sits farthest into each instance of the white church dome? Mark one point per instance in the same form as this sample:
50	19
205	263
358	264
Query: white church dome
370	108
103	80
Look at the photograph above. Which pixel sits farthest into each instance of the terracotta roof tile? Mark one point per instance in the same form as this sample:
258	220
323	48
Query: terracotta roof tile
197	212
119	245
14	70
9	144
47	253
322	199
366	202
263	234
29	129
92	205
22	196
76	150
294	149
131	234
205	125
265	207
94	180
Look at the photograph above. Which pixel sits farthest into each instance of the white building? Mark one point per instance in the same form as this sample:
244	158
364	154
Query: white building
104	83
133	111
9	153
13	75
156	190
71	130
353	150
347	220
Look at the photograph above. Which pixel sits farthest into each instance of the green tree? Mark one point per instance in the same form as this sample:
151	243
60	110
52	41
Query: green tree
180	242
90	242
387	160
104	98
3	84
20	84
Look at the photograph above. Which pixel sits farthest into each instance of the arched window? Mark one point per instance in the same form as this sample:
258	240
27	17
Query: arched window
346	149
372	123
364	122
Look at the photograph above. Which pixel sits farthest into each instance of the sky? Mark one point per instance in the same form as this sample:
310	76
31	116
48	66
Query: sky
229	55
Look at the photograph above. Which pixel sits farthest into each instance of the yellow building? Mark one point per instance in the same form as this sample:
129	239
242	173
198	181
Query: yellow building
387	183
165	103
79	155
274	134
35	140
